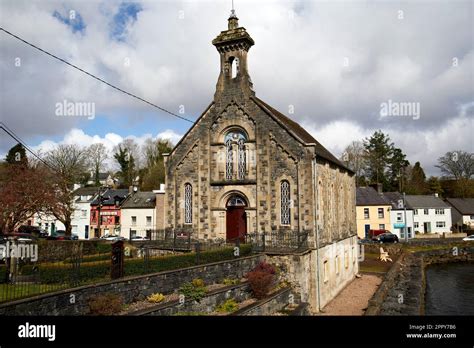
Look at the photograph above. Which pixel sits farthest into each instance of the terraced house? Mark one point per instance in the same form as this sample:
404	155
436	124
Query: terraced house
244	168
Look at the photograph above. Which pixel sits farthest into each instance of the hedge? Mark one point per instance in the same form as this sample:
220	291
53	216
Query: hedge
89	271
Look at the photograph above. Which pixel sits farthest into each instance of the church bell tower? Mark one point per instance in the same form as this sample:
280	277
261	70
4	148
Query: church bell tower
233	45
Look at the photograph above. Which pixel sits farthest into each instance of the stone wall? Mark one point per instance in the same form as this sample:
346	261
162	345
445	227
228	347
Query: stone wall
274	303
75	301
403	288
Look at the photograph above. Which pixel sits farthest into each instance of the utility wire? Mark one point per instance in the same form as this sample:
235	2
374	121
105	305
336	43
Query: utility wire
94	77
16	138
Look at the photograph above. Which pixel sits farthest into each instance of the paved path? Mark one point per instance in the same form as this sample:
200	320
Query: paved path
354	298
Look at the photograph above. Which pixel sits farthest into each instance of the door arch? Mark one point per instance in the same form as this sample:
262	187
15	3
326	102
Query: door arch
236	218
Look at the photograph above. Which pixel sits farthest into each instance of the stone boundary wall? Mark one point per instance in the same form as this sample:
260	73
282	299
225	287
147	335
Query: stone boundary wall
270	305
207	304
402	290
76	301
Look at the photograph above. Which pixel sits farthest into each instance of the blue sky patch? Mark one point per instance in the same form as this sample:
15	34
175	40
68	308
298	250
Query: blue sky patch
72	19
127	13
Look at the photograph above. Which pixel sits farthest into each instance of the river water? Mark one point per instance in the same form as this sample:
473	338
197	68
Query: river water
450	289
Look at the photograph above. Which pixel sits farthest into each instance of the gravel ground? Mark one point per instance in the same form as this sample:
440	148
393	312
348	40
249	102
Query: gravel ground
354	298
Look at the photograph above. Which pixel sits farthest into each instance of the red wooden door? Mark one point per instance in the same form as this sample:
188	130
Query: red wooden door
236	224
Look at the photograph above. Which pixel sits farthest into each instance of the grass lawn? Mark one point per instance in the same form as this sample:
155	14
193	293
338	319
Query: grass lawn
372	264
10	292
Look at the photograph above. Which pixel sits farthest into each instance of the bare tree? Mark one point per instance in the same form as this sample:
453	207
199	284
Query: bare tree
460	166
354	157
69	163
97	155
457	164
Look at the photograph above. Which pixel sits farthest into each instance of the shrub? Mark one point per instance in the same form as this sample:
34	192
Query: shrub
261	279
193	292
106	304
155	298
228	306
228	281
198	283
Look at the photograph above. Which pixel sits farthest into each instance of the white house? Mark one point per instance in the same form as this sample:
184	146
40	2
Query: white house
400	217
430	214
462	211
138	215
82	211
48	222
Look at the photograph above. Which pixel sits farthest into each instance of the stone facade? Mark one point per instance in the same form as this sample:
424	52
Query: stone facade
243	154
274	149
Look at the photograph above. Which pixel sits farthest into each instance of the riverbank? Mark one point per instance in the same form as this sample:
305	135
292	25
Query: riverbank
402	291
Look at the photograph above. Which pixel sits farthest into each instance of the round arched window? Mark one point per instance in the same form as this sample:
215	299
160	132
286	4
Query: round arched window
235	142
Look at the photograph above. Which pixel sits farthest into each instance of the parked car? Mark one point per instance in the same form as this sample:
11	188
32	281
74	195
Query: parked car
469	238
20	237
139	238
112	237
36	231
61	235
375	233
386	238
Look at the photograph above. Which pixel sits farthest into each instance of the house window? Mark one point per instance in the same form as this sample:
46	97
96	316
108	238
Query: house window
440	224
415	225
346	259
285	202
439	211
366	213
338	264
134	220
148	220
472	217
117	220
380	212
326	271
426	211
399	217
381	226
84	213
188	204
235	139
415	212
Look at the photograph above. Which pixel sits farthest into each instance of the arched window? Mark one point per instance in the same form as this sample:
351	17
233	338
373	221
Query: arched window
235	140
234	67
188	204
285	202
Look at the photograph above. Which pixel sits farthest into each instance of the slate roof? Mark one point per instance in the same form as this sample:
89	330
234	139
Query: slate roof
426	201
369	196
109	196
394	197
464	205
301	133
140	199
86	191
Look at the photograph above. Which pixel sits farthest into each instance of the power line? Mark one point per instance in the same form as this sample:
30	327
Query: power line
93	76
16	138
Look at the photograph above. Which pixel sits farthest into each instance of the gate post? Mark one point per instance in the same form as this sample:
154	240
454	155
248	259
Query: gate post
117	260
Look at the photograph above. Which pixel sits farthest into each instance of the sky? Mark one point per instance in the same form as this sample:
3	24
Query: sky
332	66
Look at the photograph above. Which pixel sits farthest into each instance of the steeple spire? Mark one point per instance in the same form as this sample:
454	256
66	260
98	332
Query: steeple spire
233	45
233	20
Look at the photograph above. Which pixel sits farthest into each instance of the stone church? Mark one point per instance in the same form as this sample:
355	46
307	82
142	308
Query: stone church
245	168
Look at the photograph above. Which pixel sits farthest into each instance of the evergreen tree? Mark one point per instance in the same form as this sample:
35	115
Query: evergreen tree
17	155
